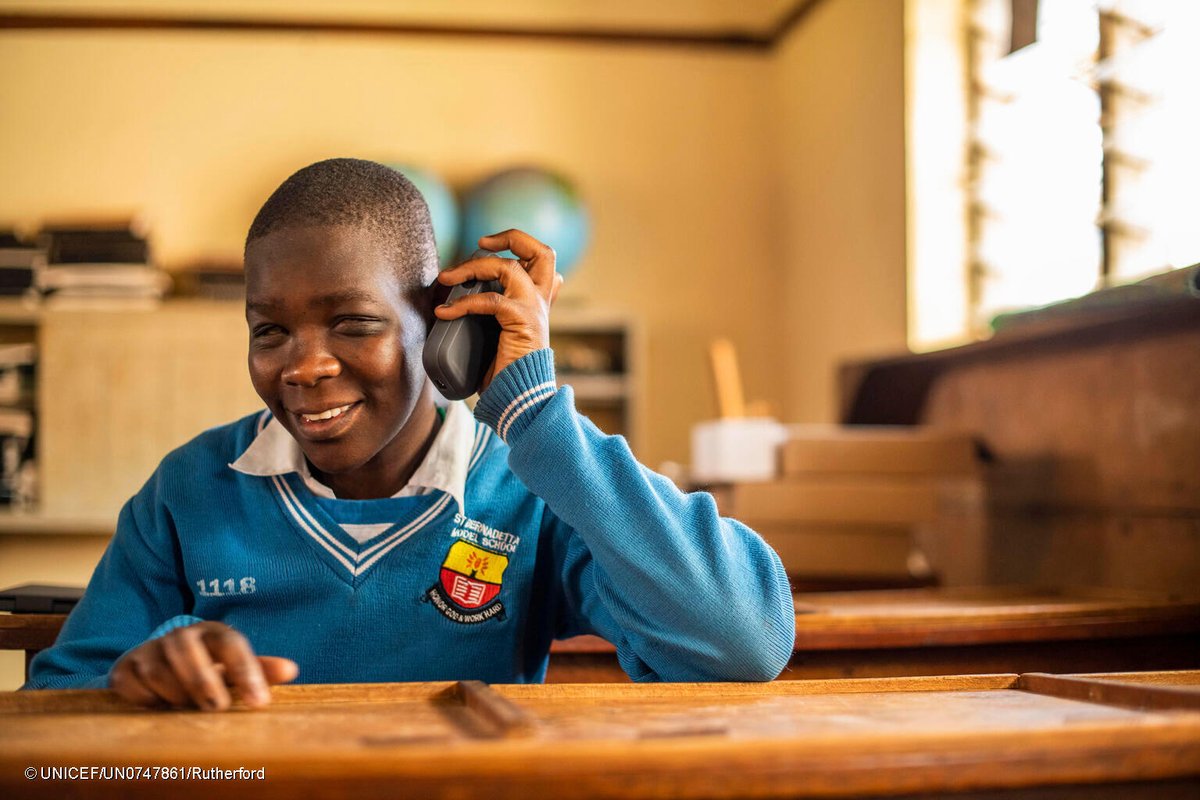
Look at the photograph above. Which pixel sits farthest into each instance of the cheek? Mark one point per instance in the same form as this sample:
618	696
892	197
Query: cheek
395	372
261	375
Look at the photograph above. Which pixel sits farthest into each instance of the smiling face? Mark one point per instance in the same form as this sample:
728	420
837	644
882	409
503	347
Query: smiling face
335	353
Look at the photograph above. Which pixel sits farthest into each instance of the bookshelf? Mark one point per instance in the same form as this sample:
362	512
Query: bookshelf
599	354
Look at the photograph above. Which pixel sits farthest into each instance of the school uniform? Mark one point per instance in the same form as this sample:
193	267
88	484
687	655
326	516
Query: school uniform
524	523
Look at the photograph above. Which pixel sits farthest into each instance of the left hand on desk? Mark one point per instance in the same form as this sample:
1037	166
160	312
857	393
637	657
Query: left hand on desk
523	311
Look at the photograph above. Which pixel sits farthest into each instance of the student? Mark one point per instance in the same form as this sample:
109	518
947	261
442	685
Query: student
354	531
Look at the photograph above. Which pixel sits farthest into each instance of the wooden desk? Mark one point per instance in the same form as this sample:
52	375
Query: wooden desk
959	631
1002	734
906	632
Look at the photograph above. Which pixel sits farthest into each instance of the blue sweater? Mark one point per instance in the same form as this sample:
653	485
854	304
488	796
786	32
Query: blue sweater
562	532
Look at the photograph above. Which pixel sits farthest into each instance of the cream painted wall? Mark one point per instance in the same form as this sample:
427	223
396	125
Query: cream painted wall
754	196
196	129
839	102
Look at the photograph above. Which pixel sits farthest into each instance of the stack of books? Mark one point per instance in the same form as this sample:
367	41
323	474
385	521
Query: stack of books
213	279
18	472
99	265
20	265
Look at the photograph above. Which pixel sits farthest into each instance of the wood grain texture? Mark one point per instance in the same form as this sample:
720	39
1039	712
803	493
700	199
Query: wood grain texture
910	632
120	389
29	631
959	629
1087	655
1178	677
1095	441
1157	695
890	500
1079	437
877	450
816	739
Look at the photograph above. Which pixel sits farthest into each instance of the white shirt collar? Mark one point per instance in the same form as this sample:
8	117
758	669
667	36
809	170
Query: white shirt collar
444	468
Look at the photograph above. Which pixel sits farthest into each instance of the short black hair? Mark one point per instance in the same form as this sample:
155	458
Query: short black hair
367	195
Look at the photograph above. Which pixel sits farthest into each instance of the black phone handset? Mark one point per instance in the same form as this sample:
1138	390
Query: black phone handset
459	352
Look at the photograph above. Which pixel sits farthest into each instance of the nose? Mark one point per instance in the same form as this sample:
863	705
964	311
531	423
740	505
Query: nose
310	361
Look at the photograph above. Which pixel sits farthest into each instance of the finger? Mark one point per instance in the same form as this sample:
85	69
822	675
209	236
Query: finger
538	256
189	658
491	304
511	273
151	668
465	270
278	670
232	651
126	683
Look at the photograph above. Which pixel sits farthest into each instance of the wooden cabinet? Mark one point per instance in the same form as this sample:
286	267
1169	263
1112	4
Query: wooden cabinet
119	390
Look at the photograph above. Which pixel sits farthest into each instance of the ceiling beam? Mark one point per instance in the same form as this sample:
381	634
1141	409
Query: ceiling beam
720	40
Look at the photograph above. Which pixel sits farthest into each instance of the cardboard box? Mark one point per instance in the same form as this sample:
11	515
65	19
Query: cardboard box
861	552
901	501
877	450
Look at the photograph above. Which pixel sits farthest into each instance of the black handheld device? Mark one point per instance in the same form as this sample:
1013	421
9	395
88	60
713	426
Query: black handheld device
459	352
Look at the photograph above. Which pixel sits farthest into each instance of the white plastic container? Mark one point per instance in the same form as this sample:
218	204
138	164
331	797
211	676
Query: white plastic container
741	449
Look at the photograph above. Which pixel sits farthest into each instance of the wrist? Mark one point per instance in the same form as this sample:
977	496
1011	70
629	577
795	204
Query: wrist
516	394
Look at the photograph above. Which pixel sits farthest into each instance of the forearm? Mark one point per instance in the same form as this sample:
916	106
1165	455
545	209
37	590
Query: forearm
133	596
696	596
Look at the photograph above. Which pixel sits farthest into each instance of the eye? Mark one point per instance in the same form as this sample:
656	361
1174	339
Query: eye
360	326
265	331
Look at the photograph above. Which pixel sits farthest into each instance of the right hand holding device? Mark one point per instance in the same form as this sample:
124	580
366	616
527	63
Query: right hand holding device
196	665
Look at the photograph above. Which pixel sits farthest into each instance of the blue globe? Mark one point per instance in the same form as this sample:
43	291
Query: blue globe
443	209
542	203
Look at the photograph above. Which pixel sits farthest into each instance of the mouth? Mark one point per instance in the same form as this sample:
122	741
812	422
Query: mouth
325	423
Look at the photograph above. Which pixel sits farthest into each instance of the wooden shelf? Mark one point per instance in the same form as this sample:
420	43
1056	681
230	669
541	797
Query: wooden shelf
36	523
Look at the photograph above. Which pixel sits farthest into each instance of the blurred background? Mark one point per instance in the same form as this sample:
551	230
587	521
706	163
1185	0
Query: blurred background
812	181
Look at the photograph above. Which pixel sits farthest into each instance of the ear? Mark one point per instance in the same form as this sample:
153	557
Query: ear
433	296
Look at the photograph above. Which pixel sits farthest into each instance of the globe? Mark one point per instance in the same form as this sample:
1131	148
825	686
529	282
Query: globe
443	208
540	202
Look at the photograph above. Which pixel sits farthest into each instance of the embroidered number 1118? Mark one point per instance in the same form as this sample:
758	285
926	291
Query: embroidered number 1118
219	588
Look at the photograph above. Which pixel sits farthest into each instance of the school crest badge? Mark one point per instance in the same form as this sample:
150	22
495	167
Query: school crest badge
469	584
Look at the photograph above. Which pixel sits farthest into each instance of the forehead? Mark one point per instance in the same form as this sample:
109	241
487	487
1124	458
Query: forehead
331	251
310	264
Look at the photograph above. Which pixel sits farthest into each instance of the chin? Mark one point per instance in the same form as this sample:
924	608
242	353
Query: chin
332	458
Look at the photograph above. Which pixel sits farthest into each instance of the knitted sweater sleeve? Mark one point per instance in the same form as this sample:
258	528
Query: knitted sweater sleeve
684	594
135	594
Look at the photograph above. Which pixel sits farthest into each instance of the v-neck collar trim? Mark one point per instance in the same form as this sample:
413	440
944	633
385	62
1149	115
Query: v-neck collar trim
315	525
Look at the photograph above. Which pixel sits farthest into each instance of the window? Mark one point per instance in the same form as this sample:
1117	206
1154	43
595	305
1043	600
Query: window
1075	168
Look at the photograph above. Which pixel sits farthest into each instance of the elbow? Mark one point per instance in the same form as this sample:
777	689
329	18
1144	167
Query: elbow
748	654
762	658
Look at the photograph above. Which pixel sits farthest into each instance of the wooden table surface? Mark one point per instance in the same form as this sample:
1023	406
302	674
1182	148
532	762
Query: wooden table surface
1086	736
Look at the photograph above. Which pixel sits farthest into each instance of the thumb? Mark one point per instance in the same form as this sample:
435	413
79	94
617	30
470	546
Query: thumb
278	670
558	282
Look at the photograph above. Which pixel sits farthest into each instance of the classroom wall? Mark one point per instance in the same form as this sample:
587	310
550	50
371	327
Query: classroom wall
723	186
839	111
196	129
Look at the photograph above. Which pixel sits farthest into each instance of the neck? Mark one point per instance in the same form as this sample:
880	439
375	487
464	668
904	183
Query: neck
392	468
